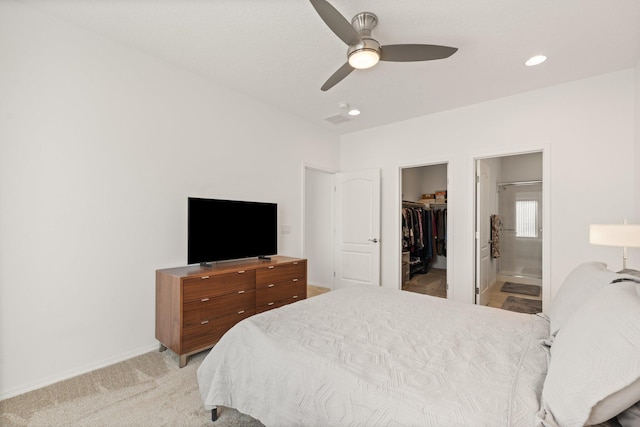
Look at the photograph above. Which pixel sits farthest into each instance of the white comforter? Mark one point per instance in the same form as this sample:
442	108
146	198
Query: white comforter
370	356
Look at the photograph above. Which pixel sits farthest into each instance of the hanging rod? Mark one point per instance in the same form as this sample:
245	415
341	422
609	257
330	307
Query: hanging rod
503	184
414	204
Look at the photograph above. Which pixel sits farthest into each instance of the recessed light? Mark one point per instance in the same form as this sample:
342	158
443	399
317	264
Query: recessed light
535	60
350	110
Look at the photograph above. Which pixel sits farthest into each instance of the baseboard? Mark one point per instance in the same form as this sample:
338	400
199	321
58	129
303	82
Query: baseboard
7	394
321	285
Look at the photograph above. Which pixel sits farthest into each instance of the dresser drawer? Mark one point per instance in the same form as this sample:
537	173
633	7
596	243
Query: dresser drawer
268	297
280	303
206	335
208	309
196	288
291	272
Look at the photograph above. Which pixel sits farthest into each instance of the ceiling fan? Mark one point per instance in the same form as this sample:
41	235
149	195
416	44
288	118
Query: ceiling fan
364	51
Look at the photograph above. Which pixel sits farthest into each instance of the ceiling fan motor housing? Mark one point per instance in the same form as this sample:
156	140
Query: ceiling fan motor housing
367	44
363	23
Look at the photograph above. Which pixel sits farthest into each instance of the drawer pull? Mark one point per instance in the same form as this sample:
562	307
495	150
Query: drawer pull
204	322
204	299
271	267
241	311
295	296
204	277
241	271
295	280
270	286
241	292
295	263
270	303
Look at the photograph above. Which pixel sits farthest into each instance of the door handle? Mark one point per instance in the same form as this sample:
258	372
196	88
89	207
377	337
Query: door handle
374	240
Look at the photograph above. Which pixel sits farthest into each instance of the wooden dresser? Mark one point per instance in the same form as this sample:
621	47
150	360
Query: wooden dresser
196	305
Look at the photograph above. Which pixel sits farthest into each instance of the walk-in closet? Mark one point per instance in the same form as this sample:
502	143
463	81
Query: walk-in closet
424	229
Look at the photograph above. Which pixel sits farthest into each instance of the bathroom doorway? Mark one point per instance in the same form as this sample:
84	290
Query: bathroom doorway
509	232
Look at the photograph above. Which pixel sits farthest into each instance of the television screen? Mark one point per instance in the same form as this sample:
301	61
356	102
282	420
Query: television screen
227	229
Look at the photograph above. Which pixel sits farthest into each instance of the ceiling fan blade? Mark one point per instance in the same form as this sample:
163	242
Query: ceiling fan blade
342	72
336	22
415	52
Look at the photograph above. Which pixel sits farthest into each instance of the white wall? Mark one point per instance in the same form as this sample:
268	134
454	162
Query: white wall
523	167
412	184
100	148
586	128
434	178
419	180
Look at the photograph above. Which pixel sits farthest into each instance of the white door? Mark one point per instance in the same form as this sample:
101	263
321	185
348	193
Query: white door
483	252
358	228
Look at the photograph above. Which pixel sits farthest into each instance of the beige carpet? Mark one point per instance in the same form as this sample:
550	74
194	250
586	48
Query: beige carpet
433	283
148	390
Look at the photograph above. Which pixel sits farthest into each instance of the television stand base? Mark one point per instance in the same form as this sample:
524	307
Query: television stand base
266	258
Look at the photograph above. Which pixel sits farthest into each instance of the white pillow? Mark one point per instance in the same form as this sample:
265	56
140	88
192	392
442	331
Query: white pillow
584	281
594	370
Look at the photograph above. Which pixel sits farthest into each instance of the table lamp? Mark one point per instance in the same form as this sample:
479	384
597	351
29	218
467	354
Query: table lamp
621	235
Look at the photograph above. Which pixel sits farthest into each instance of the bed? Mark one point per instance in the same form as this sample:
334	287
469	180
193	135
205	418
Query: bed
367	356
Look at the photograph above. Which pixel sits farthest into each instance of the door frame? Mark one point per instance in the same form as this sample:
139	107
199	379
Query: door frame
303	235
545	149
450	224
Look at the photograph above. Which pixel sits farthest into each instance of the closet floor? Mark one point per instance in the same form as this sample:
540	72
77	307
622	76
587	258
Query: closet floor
433	283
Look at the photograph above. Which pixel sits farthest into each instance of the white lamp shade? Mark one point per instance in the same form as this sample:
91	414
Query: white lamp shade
624	235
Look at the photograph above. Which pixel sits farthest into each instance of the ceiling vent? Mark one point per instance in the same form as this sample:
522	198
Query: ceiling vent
337	119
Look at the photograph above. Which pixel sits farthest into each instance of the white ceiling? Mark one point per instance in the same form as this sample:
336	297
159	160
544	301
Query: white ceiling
281	52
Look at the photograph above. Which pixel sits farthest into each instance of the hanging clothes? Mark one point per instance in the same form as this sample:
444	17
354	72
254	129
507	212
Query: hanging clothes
441	231
424	236
496	225
416	236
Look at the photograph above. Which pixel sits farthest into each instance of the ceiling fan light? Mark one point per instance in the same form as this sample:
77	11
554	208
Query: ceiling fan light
364	58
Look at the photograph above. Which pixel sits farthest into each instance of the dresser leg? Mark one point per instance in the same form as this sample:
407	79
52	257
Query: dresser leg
214	413
162	348
183	361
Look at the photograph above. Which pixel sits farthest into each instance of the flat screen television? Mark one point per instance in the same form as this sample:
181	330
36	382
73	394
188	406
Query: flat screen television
220	230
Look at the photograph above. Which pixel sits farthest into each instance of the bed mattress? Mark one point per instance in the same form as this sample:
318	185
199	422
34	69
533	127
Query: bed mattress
367	356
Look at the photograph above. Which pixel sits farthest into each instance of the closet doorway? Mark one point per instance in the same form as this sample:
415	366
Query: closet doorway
424	229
